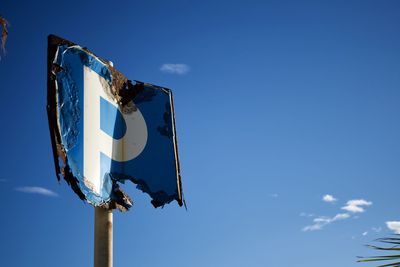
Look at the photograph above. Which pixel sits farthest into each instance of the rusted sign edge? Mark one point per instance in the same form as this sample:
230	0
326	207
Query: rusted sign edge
53	42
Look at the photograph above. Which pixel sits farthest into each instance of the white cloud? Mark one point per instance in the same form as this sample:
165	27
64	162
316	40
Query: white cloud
352	206
356	205
37	190
365	233
394	226
329	198
2	180
321	222
341	216
175	68
273	195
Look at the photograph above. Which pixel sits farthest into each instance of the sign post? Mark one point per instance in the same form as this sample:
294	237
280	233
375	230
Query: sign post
103	237
103	234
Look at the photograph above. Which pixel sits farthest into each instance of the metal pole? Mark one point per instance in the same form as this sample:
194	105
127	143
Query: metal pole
103	237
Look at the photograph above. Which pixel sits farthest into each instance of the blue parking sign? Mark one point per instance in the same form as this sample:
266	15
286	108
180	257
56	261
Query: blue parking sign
106	129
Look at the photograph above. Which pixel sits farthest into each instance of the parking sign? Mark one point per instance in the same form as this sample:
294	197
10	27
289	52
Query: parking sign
106	129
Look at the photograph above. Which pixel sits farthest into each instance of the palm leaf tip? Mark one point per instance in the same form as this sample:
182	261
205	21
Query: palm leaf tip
395	242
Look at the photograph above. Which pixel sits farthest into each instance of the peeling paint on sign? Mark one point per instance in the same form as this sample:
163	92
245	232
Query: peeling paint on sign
106	129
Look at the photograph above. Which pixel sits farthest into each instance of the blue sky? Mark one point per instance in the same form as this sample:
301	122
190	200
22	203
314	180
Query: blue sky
278	104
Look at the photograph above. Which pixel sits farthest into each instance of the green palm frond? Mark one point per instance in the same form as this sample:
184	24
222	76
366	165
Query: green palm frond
394	247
